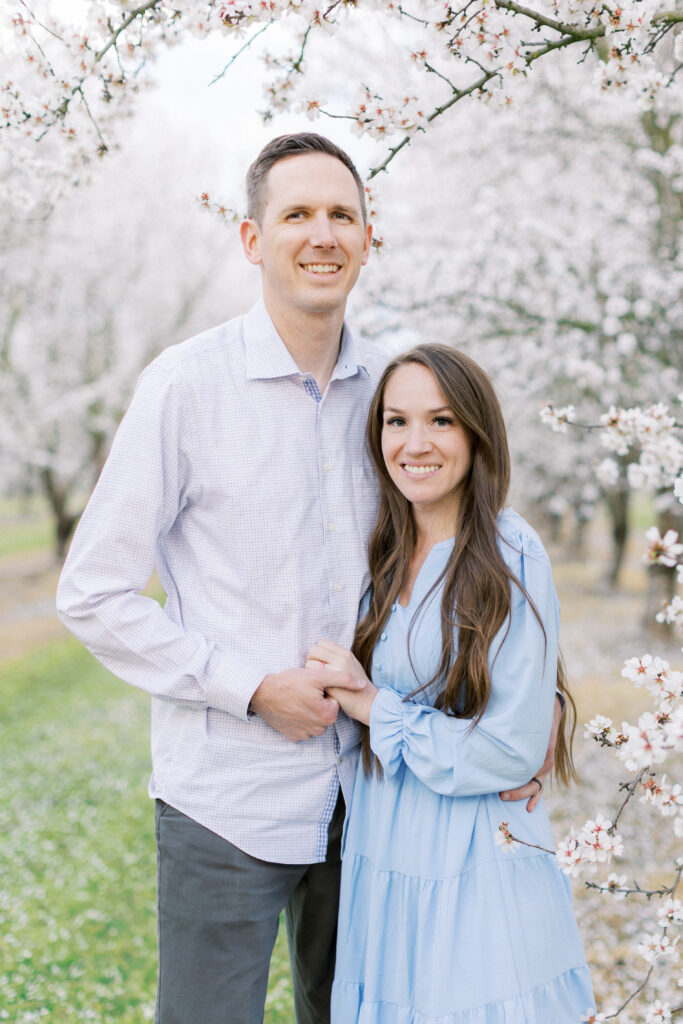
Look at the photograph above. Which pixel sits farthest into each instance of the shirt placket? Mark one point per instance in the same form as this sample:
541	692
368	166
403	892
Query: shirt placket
330	486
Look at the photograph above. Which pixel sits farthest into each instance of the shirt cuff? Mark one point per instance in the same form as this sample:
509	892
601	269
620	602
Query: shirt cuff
232	686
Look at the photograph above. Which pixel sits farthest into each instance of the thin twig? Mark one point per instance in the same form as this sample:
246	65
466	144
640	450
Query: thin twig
630	787
664	890
534	846
241	50
633	995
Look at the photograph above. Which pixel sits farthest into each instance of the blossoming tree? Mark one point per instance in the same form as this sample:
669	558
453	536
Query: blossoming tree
65	104
88	296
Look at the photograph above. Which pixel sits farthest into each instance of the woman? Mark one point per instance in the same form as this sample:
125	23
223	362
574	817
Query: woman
438	923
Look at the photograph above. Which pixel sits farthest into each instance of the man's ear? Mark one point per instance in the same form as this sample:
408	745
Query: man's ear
367	243
250	236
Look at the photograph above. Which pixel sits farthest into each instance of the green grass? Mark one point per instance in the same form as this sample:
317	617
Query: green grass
21	537
77	900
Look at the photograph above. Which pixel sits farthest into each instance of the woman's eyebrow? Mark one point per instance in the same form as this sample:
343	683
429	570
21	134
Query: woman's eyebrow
431	412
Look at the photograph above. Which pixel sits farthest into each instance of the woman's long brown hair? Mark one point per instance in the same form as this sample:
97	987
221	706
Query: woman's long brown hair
476	581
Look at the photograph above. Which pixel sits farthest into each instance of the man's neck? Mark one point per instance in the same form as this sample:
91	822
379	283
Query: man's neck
313	340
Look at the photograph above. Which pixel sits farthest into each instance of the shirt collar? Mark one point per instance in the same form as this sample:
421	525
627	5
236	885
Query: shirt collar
267	356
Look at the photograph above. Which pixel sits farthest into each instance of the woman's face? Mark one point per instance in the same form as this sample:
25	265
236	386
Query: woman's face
426	451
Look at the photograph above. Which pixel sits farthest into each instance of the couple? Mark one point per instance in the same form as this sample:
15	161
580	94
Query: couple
241	471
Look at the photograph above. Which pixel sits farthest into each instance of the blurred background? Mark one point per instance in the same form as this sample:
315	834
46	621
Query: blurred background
544	240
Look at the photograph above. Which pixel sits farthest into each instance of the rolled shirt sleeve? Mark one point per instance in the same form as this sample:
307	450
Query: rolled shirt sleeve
509	743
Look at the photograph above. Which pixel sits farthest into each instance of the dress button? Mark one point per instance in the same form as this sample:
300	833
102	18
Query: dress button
393	607
383	636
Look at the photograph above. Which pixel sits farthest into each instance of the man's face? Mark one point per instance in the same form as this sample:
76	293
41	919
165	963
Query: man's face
311	242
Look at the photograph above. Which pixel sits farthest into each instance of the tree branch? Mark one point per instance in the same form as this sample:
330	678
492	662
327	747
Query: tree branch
136	13
557	26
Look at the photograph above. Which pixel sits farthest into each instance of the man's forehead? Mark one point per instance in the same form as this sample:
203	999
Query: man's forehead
311	177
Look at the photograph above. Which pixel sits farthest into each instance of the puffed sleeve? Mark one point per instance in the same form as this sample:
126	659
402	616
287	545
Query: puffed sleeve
509	742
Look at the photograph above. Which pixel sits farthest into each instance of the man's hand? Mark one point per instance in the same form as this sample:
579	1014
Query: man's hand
336	659
295	703
532	791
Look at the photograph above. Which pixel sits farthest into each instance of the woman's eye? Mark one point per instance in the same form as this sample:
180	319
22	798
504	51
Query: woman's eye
394	421
443	421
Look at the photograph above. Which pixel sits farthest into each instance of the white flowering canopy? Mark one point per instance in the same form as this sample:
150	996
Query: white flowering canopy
72	82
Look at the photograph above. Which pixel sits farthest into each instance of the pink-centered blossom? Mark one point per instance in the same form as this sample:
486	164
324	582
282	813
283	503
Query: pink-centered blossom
662	550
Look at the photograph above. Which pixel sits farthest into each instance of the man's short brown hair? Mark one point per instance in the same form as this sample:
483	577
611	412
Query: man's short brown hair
292	145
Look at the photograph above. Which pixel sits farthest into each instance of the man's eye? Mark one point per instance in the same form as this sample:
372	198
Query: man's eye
340	215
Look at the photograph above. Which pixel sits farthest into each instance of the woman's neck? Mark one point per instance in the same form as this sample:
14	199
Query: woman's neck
431	529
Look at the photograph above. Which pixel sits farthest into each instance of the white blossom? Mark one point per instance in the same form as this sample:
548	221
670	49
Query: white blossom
503	838
658	1013
557	419
662	550
657	947
607	472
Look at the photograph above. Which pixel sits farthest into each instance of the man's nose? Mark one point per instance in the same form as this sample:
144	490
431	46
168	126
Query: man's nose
322	232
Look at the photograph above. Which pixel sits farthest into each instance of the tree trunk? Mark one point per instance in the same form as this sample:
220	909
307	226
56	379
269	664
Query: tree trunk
661	584
617	502
577	545
64	521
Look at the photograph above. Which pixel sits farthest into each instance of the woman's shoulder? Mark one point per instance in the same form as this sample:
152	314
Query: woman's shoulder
518	540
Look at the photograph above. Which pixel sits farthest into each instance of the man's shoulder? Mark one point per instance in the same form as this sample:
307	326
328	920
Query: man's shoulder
203	352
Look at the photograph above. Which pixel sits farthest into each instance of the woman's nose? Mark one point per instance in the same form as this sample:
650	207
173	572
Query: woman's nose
418	440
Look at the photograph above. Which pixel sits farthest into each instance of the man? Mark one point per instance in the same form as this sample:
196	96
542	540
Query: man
239	471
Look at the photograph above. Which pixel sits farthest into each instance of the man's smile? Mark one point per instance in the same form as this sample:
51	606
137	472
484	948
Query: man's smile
321	268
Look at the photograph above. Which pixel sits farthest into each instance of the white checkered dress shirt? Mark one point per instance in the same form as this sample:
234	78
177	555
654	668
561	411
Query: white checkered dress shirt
252	494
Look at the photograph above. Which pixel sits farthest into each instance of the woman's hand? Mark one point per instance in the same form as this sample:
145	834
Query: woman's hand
355	703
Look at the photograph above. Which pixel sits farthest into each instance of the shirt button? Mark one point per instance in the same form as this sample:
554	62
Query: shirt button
337	587
383	636
327	466
393	607
340	759
331	527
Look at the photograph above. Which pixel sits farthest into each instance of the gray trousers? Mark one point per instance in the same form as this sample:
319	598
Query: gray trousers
218	911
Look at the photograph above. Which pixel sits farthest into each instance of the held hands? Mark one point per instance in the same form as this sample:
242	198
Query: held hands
334	659
295	702
531	791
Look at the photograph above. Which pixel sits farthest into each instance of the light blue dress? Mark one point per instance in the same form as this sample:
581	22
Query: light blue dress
438	924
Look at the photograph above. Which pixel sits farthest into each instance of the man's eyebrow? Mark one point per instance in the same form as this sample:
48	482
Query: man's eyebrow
337	207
